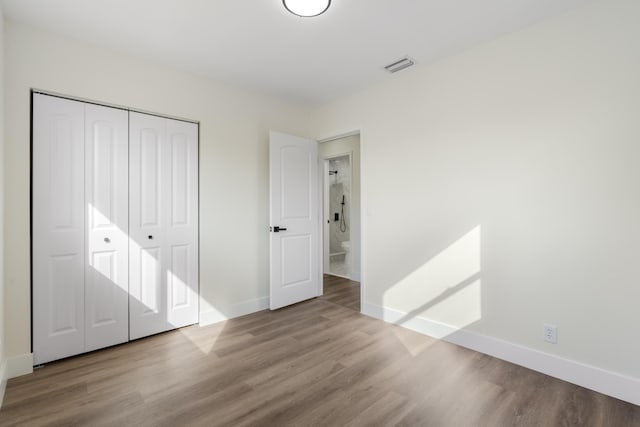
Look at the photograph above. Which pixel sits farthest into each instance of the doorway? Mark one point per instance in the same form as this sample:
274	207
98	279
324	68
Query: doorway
337	208
341	216
300	220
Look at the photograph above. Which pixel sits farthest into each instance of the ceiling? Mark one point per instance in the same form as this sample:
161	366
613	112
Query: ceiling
257	44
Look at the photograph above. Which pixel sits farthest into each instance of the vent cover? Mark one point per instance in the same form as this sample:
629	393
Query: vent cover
400	64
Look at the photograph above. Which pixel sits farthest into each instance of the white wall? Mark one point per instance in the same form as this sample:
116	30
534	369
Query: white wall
350	144
501	185
3	382
234	127
502	189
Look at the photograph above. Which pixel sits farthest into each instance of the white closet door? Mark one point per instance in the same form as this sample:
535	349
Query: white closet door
181	231
58	228
163	173
146	296
106	198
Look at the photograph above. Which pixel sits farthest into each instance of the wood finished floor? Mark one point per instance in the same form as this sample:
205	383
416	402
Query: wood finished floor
341	291
315	363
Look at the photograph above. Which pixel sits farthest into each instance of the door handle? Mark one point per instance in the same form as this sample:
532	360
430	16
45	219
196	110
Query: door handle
107	240
277	229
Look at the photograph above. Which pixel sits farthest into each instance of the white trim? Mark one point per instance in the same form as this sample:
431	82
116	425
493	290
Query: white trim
338	136
610	383
19	365
355	276
357	130
106	104
3	381
363	210
216	315
325	217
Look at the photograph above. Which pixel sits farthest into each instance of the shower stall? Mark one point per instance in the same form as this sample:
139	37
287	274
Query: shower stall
337	200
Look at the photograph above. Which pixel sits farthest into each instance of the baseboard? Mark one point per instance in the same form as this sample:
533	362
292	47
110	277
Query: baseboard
14	367
3	380
235	310
606	382
19	365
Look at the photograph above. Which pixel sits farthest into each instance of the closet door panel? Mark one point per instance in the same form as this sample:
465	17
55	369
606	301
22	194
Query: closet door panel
164	224
58	228
147	174
182	228
107	217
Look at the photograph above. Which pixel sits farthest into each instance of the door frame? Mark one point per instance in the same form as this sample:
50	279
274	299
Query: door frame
332	136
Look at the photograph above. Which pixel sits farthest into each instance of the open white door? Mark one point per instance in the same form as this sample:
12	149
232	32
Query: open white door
294	220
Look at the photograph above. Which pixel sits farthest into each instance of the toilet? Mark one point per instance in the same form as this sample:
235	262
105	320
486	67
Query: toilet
346	246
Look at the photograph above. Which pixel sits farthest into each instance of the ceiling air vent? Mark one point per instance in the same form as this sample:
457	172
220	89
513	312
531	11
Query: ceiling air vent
400	64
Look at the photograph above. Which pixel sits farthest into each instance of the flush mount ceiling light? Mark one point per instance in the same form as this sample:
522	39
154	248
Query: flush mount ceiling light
307	8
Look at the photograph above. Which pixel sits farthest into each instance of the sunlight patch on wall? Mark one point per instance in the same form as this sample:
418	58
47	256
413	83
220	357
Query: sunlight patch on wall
447	288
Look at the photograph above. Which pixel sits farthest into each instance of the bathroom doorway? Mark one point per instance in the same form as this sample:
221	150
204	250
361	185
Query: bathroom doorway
337	206
341	207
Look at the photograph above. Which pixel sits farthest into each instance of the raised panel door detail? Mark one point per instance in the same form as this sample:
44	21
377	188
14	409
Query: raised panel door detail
104	185
295	260
295	196
150	280
104	301
179	276
149	178
62	297
61	176
179	180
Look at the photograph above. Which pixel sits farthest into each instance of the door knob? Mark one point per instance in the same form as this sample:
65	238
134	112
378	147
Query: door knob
277	229
150	237
107	240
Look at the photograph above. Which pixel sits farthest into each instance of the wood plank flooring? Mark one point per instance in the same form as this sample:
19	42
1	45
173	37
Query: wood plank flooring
341	291
315	363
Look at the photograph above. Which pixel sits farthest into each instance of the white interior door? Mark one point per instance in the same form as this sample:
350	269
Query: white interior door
147	299
58	228
295	220
163	173
106	198
181	230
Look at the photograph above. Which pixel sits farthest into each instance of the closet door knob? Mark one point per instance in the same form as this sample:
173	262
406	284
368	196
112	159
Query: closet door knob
150	237
107	240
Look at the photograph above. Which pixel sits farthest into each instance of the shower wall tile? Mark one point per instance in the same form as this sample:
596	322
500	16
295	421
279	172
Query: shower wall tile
340	185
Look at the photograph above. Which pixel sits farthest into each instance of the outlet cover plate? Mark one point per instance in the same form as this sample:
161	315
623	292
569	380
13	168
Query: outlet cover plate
550	333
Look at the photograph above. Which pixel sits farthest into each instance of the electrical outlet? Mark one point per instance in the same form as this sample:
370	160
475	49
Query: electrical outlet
551	334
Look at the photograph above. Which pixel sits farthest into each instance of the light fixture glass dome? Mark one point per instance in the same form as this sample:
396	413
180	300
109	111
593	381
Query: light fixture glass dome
307	8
